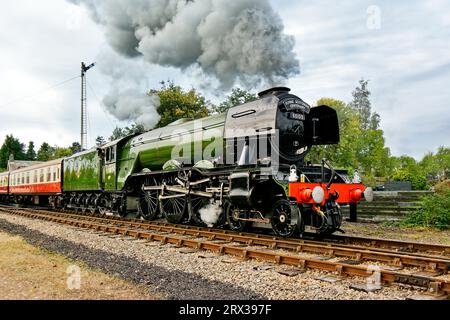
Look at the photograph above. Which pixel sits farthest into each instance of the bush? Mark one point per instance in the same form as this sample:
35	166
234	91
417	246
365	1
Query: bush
418	181
434	212
442	186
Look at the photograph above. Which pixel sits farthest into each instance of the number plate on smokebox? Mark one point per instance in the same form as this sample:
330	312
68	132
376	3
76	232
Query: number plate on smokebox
297	116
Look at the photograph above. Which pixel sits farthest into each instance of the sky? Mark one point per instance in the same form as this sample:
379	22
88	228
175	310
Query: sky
402	47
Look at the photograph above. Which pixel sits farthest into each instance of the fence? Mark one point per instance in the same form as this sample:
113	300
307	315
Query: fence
388	205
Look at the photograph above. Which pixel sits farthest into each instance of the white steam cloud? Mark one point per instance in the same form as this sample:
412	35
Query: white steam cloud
210	214
234	41
127	99
132	105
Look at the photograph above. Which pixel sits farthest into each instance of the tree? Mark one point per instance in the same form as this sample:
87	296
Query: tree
75	147
359	149
436	165
45	152
11	146
343	155
100	141
238	96
31	154
178	104
61	153
120	133
362	105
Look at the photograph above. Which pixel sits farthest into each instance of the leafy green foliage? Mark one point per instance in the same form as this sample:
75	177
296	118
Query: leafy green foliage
237	97
178	104
418	181
75	147
362	147
433	212
120	133
62	153
362	105
437	166
442	186
11	147
359	149
31	154
45	152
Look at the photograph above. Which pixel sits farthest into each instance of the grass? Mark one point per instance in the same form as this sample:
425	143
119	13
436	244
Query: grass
28	273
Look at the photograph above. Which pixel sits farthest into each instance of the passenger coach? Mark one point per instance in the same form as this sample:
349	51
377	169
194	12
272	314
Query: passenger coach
35	183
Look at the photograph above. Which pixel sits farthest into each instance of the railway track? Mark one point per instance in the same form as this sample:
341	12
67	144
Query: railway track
282	251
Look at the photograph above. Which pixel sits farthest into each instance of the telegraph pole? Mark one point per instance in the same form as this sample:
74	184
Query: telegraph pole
84	69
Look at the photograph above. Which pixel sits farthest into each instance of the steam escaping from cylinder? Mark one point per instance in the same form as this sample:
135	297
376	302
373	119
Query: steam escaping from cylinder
210	214
232	41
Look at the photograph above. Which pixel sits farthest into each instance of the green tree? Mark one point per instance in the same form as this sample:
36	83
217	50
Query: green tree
120	133
117	133
343	155
362	105
360	148
61	153
178	104
407	169
436	165
237	97
45	152
31	154
75	147
11	146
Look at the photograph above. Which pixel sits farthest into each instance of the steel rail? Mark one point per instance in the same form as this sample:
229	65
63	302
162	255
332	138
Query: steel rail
441	265
433	284
375	244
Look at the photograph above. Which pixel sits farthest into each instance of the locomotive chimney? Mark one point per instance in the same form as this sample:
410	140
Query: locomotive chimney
274	91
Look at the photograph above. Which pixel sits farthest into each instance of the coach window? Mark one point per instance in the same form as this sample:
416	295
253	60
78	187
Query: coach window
41	175
35	176
113	154
28	178
48	175
22	178
54	173
57	174
108	155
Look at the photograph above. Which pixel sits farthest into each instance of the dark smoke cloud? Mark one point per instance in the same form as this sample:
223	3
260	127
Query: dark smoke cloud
234	41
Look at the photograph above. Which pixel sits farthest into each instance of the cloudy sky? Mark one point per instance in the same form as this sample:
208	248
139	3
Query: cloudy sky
403	48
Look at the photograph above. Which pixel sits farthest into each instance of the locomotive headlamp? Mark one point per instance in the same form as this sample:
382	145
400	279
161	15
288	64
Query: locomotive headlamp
368	194
318	195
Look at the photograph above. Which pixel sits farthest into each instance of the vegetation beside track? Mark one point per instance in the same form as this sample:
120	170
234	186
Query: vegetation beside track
434	212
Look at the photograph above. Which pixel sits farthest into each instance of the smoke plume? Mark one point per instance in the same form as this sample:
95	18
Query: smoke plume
132	105
127	99
234	41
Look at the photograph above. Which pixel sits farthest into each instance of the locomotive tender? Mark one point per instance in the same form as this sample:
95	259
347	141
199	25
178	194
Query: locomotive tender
241	169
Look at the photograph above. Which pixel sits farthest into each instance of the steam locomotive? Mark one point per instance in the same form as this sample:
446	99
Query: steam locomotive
238	170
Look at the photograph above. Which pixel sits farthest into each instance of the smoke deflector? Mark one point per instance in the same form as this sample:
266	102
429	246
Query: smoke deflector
322	126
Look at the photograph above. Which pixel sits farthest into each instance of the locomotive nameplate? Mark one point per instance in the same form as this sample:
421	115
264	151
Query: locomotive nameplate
296	105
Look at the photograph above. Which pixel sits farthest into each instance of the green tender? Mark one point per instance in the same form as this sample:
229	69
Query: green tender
82	172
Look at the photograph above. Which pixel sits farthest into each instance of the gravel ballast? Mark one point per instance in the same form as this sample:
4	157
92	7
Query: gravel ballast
166	270
172	283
